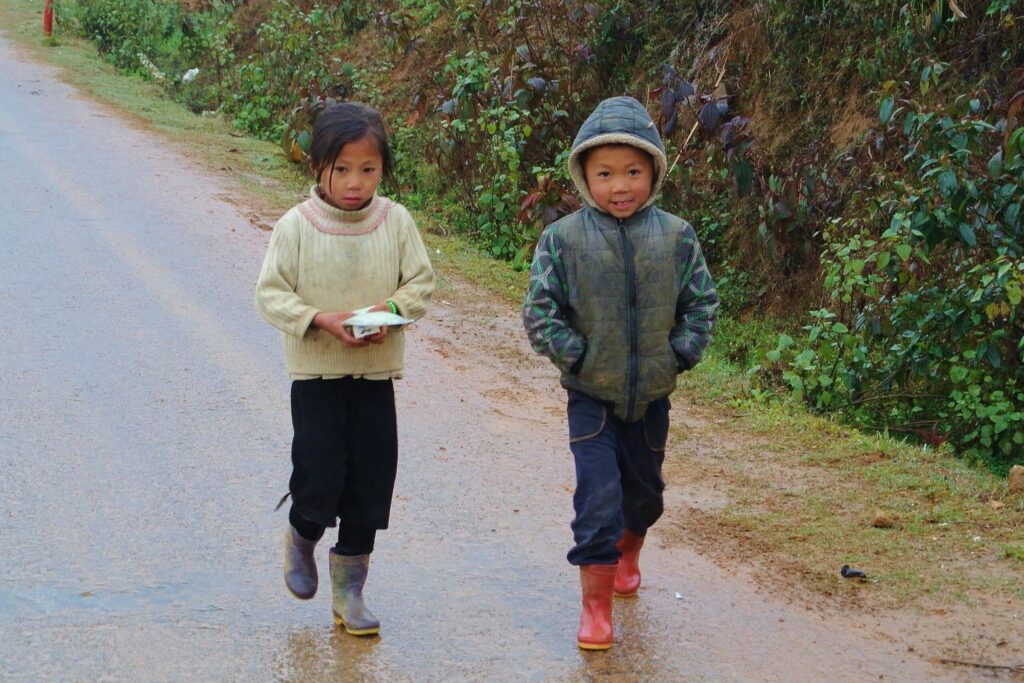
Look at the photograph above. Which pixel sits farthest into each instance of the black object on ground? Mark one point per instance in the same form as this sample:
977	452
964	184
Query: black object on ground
850	573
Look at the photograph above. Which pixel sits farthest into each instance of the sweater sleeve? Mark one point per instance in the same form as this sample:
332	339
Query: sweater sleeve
276	299
696	307
416	275
546	308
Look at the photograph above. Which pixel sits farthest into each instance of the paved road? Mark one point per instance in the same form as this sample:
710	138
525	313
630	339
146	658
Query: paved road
144	438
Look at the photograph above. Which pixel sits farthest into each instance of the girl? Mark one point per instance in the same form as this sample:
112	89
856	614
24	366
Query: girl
343	249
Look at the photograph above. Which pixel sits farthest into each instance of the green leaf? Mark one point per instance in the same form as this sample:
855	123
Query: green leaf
884	258
908	123
995	164
967	234
303	140
885	111
903	250
805	358
1012	214
1015	145
743	172
794	381
957	374
1013	293
948	183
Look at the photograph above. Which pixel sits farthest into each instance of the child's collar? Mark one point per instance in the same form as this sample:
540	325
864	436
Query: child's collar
332	220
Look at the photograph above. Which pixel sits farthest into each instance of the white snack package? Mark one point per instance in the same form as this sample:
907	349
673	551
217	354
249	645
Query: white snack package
365	323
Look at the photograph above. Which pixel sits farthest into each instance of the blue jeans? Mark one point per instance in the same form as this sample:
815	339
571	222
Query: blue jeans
618	475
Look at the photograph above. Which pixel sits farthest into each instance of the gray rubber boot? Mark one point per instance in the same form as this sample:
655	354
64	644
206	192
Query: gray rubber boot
299	565
348	574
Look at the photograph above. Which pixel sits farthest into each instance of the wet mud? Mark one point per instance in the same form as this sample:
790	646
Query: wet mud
144	440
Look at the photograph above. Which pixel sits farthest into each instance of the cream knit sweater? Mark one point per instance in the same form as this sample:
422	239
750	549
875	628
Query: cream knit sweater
325	259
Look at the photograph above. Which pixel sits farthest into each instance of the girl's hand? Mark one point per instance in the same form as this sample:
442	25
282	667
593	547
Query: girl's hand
334	324
380	336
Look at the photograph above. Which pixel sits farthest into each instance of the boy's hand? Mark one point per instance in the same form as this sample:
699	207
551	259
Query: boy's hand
334	324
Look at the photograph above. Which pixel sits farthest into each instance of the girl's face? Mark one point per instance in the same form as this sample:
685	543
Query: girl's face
349	183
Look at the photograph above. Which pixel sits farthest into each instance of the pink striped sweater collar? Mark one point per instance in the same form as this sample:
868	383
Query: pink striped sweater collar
335	221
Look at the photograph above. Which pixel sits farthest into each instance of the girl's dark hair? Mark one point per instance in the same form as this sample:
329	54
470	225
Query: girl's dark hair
347	122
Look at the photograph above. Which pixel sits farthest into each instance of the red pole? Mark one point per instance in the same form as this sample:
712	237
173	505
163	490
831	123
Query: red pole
48	19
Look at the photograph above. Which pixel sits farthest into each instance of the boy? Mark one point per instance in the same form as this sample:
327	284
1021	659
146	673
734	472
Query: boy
621	301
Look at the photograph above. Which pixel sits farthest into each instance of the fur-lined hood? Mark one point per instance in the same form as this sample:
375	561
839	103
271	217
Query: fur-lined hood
616	121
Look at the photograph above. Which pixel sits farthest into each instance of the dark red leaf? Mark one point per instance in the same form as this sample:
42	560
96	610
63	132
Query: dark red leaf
670	125
709	116
684	90
668	104
668	73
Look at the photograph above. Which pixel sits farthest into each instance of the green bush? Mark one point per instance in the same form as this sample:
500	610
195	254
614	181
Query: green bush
916	221
132	32
208	47
295	56
923	332
509	113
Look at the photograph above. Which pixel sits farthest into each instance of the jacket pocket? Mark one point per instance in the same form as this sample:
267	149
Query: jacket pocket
586	417
656	424
589	354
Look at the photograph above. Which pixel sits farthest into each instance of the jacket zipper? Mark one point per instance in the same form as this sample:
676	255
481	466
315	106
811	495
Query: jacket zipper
633	316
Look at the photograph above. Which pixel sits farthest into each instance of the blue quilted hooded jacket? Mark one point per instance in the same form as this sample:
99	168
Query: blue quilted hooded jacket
620	306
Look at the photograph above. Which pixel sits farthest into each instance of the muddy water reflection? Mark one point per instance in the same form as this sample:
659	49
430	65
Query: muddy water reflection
330	654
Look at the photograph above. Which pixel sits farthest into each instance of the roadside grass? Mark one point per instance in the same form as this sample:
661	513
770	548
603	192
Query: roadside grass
453	254
802	490
724	373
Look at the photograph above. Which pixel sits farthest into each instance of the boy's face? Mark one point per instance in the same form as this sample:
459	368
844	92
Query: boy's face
620	178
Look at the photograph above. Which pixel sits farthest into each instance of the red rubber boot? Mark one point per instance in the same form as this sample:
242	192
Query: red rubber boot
627	578
597	582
